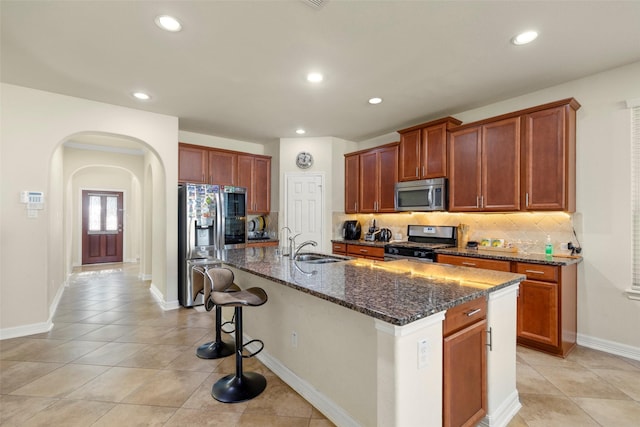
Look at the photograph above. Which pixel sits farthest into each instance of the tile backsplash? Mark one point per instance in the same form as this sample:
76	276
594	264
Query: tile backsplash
520	229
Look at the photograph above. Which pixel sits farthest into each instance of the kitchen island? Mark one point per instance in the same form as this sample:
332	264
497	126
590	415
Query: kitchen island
362	339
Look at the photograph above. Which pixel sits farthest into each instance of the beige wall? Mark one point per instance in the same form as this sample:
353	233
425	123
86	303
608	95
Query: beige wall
32	260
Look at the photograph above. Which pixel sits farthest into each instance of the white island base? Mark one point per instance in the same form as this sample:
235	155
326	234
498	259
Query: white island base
360	371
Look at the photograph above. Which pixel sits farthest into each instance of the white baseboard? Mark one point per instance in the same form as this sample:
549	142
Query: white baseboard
329	408
159	297
505	412
21	331
144	277
612	347
56	300
36	328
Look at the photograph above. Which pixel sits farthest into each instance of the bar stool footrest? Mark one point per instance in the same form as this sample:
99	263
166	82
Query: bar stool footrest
247	356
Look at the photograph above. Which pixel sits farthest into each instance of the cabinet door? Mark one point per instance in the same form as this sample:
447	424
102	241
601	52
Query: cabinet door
465	376
368	197
262	185
222	167
351	183
192	164
255	175
434	152
246	179
409	165
501	165
387	177
538	312
549	158
465	170
463	261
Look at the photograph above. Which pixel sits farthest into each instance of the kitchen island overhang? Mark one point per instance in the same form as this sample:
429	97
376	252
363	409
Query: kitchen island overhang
346	335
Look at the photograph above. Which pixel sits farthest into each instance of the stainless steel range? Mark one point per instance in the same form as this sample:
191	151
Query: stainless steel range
422	240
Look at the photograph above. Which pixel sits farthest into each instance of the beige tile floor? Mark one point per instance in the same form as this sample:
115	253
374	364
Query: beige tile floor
115	358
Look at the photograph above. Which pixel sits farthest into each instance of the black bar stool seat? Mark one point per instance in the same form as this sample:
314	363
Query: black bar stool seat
218	348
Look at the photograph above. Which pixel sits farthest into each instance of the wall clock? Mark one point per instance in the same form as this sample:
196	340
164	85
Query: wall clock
304	160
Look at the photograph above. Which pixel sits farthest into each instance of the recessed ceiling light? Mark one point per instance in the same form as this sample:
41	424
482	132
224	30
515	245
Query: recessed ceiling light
375	101
168	23
301	131
315	77
141	96
524	38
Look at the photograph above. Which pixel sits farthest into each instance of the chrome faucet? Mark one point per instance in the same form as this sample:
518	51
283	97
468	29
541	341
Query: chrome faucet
302	245
292	244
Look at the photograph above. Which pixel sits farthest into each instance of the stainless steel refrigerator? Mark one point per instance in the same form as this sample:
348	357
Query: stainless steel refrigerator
210	218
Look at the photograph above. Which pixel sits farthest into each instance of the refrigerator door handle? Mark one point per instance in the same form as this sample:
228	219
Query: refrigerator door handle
190	231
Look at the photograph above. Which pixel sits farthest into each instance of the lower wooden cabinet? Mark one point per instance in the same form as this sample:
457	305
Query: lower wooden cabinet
464	398
262	244
339	248
547	307
365	251
547	302
487	264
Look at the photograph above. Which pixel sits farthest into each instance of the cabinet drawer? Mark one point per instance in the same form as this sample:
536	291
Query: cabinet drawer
547	273
463	261
365	251
339	248
463	315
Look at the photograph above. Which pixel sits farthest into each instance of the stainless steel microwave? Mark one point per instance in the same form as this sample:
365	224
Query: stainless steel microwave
422	195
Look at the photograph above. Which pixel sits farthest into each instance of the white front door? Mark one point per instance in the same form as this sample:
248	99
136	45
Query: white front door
305	208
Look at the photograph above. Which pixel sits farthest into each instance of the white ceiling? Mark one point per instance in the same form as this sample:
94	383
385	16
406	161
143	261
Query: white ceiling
238	68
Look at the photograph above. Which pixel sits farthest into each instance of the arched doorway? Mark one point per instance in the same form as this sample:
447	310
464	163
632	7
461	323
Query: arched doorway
103	163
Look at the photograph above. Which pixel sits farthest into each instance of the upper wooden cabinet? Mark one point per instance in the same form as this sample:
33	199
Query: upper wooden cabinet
222	167
378	176
484	169
351	182
423	150
255	174
204	165
524	160
192	164
549	157
370	179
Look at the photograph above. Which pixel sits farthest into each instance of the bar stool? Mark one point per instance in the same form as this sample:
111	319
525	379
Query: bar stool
241	386
218	348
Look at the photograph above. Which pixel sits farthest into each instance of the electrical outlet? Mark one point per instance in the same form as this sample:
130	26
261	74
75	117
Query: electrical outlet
423	353
294	339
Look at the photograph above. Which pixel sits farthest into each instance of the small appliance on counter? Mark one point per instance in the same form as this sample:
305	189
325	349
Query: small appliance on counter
371	236
351	230
384	235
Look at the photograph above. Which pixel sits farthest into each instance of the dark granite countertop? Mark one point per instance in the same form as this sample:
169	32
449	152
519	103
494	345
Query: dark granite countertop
511	256
397	292
478	253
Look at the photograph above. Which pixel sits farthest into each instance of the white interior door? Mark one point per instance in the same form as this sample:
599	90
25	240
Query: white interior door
305	207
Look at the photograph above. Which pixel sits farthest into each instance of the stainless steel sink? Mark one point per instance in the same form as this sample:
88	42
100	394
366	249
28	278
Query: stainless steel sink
319	258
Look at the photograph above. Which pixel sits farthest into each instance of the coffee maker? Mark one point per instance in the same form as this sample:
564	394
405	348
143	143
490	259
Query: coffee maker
351	230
